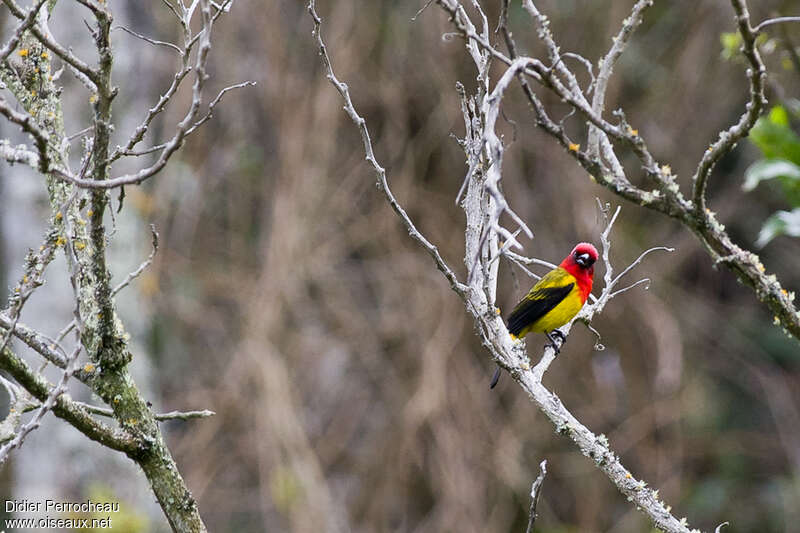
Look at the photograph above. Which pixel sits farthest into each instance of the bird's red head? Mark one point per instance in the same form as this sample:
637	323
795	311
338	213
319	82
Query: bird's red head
580	263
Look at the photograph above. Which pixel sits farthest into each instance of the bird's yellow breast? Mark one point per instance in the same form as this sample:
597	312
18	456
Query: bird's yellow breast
559	315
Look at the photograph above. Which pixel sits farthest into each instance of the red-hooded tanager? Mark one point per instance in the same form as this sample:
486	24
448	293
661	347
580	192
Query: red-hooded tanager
555	299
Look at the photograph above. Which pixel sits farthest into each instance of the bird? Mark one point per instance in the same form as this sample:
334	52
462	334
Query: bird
555	299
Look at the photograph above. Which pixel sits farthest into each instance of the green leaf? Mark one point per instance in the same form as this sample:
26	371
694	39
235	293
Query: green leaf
780	223
767	169
773	136
779	116
731	43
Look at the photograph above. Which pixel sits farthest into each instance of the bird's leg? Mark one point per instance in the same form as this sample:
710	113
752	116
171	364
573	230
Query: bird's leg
557	333
553	344
495	378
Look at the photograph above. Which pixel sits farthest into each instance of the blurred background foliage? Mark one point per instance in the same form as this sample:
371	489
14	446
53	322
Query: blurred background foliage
350	389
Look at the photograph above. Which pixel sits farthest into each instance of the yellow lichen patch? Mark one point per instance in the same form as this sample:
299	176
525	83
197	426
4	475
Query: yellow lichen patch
25	278
61	241
89	213
23	52
497	310
93	99
573	147
88	367
628	476
632	131
80	245
59	216
760	267
525	366
45	55
784	292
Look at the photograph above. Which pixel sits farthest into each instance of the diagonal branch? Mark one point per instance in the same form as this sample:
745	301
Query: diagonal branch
47	40
66	409
620	42
727	139
27	21
29	125
383	184
492	330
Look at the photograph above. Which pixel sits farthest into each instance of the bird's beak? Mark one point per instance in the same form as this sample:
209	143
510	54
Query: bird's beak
584	260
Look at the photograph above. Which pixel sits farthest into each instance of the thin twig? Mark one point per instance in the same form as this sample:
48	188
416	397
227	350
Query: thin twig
535	492
769	22
383	184
146	263
753	109
161	417
148	39
620	42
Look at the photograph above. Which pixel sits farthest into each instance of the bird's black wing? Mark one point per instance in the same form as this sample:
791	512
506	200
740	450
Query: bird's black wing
534	306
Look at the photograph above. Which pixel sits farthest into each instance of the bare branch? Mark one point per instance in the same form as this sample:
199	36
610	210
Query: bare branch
165	98
145	38
65	408
29	125
639	260
728	138
535	492
161	417
632	285
383	184
27	21
46	406
769	22
479	303
47	40
530	260
620	42
210	113
18	154
136	273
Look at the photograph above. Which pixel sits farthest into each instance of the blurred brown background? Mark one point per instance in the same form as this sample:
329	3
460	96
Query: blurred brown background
350	389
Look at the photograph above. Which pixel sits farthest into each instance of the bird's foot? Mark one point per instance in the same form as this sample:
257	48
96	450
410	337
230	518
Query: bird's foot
556	346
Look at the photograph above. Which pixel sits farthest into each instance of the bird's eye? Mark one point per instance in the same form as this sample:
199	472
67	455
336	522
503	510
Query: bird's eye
583	259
